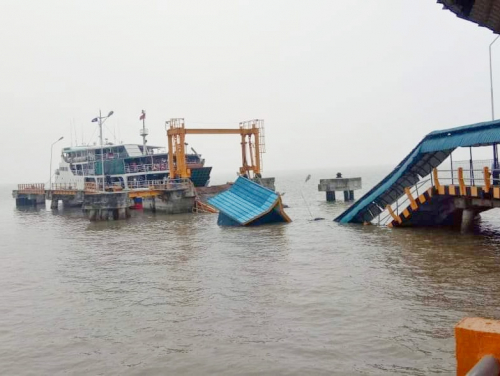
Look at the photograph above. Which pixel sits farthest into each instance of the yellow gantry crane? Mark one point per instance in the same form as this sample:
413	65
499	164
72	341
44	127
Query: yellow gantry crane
252	146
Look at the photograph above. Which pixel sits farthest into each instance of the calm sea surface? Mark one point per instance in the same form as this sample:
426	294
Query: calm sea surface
178	295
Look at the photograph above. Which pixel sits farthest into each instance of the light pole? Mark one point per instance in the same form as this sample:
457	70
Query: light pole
495	150
101	119
491	81
50	174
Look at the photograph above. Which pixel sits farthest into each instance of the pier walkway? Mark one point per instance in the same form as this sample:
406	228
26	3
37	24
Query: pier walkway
451	204
149	188
414	175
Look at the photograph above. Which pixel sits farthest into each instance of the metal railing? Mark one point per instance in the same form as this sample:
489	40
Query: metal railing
130	169
89	172
474	177
64	187
403	202
91	187
460	177
164	185
37	188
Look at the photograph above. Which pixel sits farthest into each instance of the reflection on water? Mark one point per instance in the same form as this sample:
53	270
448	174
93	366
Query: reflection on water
180	295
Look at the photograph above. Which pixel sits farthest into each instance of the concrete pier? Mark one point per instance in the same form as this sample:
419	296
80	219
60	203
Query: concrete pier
347	185
106	206
70	199
171	202
23	200
29	195
170	197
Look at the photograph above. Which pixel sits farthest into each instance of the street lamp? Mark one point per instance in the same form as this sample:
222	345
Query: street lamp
50	172
495	150
491	81
101	119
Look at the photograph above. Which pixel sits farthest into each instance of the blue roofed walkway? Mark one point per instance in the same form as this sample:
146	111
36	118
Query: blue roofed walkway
419	163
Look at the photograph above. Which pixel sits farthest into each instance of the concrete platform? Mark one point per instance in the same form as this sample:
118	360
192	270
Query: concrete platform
347	185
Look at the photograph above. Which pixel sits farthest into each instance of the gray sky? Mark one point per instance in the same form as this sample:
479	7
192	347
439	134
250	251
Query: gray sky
338	83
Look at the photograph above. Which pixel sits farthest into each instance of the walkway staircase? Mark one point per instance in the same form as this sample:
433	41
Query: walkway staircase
442	204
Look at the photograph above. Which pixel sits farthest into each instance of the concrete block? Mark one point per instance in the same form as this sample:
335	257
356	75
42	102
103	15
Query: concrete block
475	338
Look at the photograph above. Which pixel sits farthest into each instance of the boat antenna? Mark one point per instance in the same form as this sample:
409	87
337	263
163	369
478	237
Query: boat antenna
71	131
74	131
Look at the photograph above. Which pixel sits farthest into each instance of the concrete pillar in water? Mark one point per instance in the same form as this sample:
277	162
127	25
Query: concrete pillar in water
53	203
339	184
108	205
330	196
467	220
123	213
153	204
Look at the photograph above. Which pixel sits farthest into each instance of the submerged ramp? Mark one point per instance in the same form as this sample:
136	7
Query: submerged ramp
248	203
428	154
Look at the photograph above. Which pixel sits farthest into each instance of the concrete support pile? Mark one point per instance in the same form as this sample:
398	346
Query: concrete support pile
106	206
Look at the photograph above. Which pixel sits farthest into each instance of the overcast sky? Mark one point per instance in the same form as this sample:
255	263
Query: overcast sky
338	83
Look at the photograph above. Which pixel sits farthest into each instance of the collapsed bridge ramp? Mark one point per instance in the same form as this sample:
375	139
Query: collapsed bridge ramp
428	154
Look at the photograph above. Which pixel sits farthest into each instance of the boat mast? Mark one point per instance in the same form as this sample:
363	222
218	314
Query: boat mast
144	132
100	120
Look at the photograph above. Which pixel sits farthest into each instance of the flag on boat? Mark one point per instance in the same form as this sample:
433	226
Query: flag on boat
143	115
94	120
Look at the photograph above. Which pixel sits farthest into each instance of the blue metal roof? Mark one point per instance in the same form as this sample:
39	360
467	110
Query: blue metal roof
245	201
428	154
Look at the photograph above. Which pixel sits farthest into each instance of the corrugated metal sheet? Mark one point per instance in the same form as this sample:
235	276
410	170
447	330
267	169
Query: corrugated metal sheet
480	134
485	13
245	201
428	154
